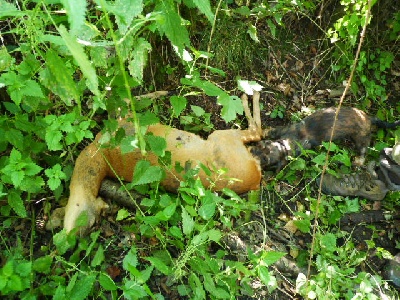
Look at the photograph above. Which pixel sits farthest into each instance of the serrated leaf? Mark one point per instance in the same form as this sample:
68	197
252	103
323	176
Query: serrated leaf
232	106
32	88
169	23
107	283
84	64
138	59
82	287
15	137
76	11
303	225
122	214
205	8
8	268
145	173
16	203
62	242
64	85
130	259
159	265
5	58
53	140
157	144
271	257
187	222
178	104
98	257
125	11
43	264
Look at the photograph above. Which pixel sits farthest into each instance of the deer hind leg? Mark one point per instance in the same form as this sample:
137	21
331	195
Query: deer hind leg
90	169
253	134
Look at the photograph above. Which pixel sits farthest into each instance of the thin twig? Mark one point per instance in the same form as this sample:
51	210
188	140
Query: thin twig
362	36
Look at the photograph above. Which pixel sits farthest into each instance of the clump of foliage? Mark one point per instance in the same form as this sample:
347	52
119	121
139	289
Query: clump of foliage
64	63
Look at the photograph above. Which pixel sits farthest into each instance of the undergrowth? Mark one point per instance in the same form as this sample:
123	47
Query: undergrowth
65	66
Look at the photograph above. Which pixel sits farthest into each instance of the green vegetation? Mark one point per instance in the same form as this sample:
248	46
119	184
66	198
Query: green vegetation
66	68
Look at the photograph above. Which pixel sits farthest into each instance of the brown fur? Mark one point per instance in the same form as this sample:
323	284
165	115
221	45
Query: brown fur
352	124
222	149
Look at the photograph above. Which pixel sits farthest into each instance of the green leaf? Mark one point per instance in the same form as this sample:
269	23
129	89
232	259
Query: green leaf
328	242
157	144
303	225
78	53
187	222
15	137
62	242
145	173
159	265
32	88
205	8
43	264
122	214
53	140
271	257
98	257
82	287
130	259
107	283
232	106
8	268
16	203
178	104
61	83
138	59
169	23
125	11
207	209
76	11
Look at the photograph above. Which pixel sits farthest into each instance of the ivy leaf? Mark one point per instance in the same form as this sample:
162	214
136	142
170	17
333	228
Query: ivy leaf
76	11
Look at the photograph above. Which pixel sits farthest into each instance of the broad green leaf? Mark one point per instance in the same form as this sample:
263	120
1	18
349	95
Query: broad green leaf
15	201
15	137
122	214
43	264
138	59
8	269
328	242
157	144
160	265
205	8
78	53
53	140
107	283
214	235
98	257
178	104
62	242
76	11
5	58
125	11
61	83
23	268
187	222
232	106
170	23
82	287
271	257
130	259
145	173
303	225
32	88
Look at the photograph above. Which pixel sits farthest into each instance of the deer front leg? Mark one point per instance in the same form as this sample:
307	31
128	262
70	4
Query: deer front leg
253	134
90	169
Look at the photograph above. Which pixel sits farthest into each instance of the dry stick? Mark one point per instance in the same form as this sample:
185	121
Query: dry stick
367	16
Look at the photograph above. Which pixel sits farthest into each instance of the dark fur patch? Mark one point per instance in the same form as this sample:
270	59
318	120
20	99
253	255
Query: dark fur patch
352	124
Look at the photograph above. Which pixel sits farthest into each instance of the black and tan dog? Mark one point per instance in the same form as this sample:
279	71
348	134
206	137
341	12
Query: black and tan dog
352	124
